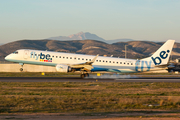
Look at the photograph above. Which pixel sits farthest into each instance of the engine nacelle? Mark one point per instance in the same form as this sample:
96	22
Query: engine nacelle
63	68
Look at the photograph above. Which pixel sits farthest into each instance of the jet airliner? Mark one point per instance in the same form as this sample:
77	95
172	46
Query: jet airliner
70	62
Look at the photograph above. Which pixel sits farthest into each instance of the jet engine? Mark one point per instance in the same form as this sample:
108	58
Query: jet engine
63	68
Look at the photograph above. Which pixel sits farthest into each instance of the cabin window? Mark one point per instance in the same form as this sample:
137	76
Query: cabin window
99	60
96	60
82	58
127	63
131	63
52	56
89	59
103	60
106	61
124	63
56	56
120	62
86	59
75	58
109	61
113	62
63	57
66	57
117	62
35	54
78	58
59	56
70	57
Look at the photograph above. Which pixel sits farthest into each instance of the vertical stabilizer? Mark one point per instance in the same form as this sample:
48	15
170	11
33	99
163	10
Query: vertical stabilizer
161	56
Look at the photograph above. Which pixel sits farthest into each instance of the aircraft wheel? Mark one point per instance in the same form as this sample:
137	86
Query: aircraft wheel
87	75
170	71
82	75
21	69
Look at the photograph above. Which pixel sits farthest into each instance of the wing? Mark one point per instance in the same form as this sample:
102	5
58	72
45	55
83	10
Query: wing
86	66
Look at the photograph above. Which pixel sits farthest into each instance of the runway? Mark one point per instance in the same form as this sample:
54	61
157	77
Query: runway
75	79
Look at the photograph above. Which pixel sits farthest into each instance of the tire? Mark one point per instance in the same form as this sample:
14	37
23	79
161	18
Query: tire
86	75
21	69
82	75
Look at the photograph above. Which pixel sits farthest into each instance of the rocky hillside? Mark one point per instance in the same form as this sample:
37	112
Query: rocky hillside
135	49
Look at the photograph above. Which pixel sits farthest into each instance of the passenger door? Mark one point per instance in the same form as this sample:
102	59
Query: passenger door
26	53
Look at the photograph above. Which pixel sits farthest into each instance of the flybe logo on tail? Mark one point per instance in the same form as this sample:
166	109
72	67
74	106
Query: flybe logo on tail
162	55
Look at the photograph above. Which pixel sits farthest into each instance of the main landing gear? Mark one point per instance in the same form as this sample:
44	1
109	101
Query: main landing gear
21	69
83	75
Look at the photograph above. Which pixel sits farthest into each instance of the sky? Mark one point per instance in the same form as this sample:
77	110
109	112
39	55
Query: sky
156	20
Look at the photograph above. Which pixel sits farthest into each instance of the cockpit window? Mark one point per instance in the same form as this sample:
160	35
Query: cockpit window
16	52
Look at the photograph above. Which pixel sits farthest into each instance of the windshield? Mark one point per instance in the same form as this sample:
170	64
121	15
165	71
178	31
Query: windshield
16	52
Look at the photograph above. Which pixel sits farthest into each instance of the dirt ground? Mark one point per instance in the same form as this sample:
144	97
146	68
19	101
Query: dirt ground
56	116
80	118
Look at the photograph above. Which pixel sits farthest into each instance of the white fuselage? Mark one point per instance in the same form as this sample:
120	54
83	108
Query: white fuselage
49	58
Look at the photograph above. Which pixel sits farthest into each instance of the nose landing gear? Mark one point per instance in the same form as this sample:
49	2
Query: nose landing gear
21	69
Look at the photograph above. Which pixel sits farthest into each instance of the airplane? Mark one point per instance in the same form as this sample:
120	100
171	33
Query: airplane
71	62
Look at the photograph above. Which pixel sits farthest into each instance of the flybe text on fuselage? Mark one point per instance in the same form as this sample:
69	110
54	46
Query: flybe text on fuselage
142	65
42	57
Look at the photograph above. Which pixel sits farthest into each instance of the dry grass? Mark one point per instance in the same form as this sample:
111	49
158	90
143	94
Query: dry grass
87	97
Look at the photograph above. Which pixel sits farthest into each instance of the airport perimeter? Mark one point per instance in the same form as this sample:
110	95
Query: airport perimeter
15	67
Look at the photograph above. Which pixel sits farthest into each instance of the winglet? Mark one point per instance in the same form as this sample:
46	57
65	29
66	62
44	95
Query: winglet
93	60
86	63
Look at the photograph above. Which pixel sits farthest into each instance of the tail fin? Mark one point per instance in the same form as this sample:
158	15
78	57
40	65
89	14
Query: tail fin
161	56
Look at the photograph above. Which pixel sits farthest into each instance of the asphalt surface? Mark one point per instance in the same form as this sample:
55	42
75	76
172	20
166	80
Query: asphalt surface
75	79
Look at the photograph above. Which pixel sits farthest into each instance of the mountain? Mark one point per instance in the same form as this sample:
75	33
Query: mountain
87	36
135	49
78	36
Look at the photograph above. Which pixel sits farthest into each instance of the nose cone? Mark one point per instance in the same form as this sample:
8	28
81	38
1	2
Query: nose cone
7	57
